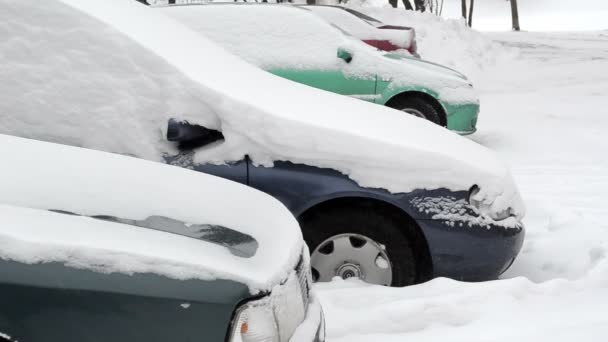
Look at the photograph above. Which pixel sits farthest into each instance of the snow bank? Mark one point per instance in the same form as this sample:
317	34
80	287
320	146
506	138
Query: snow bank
261	115
512	310
38	176
446	41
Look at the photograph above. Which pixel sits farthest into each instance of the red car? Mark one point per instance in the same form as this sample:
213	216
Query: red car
370	30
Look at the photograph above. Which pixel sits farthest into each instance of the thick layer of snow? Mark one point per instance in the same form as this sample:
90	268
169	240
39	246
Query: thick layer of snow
358	28
546	112
61	61
38	176
288	37
448	42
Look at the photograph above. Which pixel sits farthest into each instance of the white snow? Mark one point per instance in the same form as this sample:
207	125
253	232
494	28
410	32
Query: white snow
534	15
39	176
64	64
359	28
544	109
293	38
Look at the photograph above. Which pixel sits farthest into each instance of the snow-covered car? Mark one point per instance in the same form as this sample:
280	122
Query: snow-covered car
295	44
368	29
101	247
401	199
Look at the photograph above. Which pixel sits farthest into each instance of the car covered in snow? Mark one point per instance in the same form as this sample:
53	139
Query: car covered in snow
368	29
101	247
394	200
293	43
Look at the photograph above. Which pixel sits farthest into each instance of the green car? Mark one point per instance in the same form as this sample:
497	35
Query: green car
101	247
293	43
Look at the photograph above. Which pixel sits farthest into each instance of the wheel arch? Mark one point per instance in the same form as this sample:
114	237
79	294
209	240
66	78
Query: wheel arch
432	100
411	229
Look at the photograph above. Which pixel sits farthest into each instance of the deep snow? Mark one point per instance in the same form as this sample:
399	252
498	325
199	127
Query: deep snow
544	100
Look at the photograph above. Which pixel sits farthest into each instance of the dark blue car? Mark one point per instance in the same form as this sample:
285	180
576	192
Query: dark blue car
380	237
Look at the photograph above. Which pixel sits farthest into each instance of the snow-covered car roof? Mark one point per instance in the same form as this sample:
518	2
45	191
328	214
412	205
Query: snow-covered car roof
78	77
358	27
107	212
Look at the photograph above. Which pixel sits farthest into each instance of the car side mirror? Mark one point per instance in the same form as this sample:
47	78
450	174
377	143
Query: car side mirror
190	135
345	55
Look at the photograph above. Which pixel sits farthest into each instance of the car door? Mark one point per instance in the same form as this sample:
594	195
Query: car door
335	81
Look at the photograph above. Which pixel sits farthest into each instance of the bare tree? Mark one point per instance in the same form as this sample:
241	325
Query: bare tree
471	5
463	8
514	15
420	5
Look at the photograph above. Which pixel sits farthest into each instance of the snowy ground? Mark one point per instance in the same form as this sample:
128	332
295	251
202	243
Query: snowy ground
545	110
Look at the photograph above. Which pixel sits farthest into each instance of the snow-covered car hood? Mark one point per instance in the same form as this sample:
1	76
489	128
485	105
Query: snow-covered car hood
106	212
425	64
99	89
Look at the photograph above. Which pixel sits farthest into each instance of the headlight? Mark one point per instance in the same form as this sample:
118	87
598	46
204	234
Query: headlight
255	322
485	209
472	200
501	215
275	317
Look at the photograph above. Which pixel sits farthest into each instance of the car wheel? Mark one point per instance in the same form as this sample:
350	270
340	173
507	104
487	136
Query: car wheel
418	107
362	243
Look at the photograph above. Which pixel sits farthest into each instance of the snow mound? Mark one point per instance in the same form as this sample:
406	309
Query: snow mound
446	41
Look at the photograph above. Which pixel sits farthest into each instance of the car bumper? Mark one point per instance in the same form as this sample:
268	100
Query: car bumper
471	253
462	118
312	329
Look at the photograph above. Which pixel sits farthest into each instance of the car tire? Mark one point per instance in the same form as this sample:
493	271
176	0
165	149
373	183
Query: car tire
418	107
362	228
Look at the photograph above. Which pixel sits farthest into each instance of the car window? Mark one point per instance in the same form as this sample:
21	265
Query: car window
268	36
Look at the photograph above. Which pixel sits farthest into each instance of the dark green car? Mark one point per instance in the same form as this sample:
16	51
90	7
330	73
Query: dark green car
293	43
89	252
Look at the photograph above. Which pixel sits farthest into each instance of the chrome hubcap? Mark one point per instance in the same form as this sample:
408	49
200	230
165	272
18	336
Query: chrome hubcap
349	256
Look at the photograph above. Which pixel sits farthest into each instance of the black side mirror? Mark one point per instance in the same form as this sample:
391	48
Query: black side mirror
190	135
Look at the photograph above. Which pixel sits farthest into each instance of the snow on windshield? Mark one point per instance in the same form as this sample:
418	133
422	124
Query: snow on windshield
106	92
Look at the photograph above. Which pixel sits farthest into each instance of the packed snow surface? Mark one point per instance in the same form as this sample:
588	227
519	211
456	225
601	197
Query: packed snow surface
544	109
38	176
98	89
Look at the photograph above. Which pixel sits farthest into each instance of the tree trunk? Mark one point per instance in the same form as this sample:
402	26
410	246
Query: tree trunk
408	5
472	4
515	15
419	5
463	7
